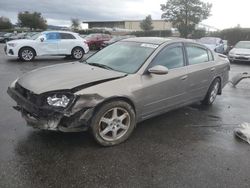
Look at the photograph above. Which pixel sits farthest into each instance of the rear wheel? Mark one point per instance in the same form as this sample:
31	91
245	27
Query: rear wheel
113	123
27	54
212	92
77	53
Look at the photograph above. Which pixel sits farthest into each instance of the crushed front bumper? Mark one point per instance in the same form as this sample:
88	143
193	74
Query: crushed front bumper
48	118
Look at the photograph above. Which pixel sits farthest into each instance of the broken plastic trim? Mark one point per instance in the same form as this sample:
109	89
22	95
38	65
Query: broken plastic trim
243	132
236	79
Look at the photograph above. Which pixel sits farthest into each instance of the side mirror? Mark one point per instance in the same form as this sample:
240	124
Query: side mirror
42	39
158	69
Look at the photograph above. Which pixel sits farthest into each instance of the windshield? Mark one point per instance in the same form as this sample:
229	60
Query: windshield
245	45
125	57
34	37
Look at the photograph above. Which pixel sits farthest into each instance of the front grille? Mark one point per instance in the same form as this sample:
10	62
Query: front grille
26	93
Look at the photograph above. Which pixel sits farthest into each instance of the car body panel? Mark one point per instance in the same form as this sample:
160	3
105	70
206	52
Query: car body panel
64	76
149	94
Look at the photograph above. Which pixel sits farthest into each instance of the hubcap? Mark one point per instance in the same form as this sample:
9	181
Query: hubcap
78	53
27	55
114	124
214	92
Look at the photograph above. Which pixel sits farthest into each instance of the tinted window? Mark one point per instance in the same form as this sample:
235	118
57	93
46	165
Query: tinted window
170	58
66	36
196	55
52	36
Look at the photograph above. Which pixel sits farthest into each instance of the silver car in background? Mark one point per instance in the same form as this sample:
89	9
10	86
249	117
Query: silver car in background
240	52
125	83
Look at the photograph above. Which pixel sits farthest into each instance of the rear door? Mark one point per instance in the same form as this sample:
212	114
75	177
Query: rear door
50	44
66	44
201	70
162	92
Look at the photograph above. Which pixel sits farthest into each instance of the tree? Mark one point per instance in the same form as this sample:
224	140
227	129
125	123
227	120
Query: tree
146	24
31	20
185	14
5	23
75	23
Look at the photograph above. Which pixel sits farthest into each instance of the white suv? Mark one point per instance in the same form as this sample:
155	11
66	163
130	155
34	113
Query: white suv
60	43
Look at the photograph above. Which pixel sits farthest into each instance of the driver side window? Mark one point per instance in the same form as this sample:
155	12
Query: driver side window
170	57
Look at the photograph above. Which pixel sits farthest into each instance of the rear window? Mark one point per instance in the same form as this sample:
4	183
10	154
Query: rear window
196	55
67	36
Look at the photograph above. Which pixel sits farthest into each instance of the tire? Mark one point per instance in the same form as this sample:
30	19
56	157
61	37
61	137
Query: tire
77	53
26	54
212	92
113	123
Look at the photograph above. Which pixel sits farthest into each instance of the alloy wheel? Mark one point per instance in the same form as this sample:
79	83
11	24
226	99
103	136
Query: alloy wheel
27	55
114	124
214	92
77	53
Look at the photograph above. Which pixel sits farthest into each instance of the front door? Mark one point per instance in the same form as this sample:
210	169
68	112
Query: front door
49	46
162	92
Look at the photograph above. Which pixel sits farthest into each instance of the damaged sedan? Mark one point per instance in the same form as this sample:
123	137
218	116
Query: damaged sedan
119	86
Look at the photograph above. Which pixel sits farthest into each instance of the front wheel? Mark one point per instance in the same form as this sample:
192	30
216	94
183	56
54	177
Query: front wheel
77	53
113	123
212	92
27	54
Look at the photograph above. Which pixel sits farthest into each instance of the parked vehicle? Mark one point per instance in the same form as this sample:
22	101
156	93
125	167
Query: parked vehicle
115	39
213	43
83	36
240	52
6	37
96	40
30	34
125	83
17	36
61	43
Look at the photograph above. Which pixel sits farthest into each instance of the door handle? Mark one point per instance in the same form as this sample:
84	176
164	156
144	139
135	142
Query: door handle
184	77
212	69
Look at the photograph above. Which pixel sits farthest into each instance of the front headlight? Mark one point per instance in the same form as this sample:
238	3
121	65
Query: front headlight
58	100
11	44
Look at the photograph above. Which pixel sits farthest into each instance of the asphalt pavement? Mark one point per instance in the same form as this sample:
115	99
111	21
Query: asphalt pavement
190	147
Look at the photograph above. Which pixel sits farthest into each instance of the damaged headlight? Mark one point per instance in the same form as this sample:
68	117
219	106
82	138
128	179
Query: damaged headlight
59	100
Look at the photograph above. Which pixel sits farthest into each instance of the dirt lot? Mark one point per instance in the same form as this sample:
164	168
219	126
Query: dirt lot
190	147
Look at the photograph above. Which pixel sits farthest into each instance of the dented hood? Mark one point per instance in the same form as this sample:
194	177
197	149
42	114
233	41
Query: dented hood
65	76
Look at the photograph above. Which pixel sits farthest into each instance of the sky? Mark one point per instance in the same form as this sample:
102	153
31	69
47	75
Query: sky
225	13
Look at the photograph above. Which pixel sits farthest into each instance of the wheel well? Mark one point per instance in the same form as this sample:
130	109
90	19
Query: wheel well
77	47
26	47
127	100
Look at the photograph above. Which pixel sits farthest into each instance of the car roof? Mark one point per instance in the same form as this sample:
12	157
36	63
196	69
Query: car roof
157	40
58	31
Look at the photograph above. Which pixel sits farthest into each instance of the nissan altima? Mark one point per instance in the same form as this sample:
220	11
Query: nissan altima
127	82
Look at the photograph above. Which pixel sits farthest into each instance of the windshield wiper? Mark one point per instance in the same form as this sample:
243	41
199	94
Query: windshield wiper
101	65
